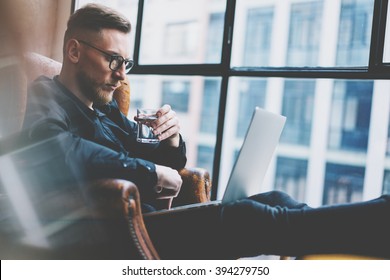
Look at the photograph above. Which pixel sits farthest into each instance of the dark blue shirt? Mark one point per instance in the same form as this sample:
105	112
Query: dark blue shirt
101	142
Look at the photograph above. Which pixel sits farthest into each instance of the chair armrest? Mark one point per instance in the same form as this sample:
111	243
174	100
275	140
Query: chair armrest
196	186
113	198
105	222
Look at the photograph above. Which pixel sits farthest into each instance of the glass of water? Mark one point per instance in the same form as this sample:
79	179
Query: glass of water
145	117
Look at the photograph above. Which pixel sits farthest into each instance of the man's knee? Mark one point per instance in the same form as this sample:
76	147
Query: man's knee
248	226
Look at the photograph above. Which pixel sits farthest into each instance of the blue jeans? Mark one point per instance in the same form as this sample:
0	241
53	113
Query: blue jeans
275	224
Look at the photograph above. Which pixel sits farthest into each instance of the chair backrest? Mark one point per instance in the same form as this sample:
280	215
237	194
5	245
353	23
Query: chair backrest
14	82
13	87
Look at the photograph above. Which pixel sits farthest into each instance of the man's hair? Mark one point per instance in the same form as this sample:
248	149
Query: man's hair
95	17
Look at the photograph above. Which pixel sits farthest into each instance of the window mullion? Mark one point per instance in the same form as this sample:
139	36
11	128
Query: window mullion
137	40
226	72
378	35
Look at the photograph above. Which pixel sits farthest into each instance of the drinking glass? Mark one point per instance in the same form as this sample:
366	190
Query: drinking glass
144	130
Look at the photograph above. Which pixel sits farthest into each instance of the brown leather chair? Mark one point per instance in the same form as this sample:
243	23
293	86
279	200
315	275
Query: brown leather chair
112	204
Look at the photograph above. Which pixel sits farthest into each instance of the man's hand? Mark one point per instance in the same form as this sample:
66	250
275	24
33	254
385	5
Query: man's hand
167	126
168	182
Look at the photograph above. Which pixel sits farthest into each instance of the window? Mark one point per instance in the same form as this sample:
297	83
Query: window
298	104
258	37
304	34
180	39
205	157
291	177
176	94
209	115
214	38
354	32
185	32
319	62
252	92
343	184
350	118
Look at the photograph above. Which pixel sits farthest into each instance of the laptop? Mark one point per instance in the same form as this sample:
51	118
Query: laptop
252	162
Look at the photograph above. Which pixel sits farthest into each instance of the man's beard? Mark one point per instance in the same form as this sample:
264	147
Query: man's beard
91	90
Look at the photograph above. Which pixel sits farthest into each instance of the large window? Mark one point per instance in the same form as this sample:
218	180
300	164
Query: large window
321	63
304	33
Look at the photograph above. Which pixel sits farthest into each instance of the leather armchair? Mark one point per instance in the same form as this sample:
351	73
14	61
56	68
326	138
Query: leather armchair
113	204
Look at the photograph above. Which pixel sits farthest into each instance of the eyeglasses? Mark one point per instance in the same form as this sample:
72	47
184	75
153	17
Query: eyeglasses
116	61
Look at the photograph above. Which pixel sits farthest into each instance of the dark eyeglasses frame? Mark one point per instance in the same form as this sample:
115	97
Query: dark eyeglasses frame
129	63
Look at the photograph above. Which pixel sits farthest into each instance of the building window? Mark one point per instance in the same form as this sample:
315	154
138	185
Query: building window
176	93
252	93
205	157
305	33
214	38
258	37
354	32
298	104
343	184
291	177
209	115
350	118
181	38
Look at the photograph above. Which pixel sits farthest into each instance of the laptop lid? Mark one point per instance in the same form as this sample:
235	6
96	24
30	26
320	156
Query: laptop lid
255	155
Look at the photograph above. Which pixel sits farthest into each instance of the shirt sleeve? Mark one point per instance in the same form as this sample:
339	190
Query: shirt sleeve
160	153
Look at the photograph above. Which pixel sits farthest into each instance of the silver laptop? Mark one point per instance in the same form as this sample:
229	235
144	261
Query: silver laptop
253	160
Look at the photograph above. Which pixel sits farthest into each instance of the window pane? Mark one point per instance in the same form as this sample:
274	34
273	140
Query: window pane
354	32
258	36
298	108
334	134
304	34
343	184
252	91
350	118
128	7
186	32
205	157
291	177
194	99
210	103
298	33
176	94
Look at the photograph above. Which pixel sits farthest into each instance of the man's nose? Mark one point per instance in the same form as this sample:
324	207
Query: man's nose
120	73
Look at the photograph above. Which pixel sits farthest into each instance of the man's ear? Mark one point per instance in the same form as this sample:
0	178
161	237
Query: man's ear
72	50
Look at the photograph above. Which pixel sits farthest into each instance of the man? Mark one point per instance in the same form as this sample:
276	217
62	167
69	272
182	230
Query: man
78	105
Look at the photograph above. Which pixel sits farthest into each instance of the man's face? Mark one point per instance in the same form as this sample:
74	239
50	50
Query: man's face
94	77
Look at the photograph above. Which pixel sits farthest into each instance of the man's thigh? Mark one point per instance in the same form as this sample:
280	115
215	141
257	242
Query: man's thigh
187	234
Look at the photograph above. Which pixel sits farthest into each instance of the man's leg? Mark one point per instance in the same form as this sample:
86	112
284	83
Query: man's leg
188	234
199	234
284	227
